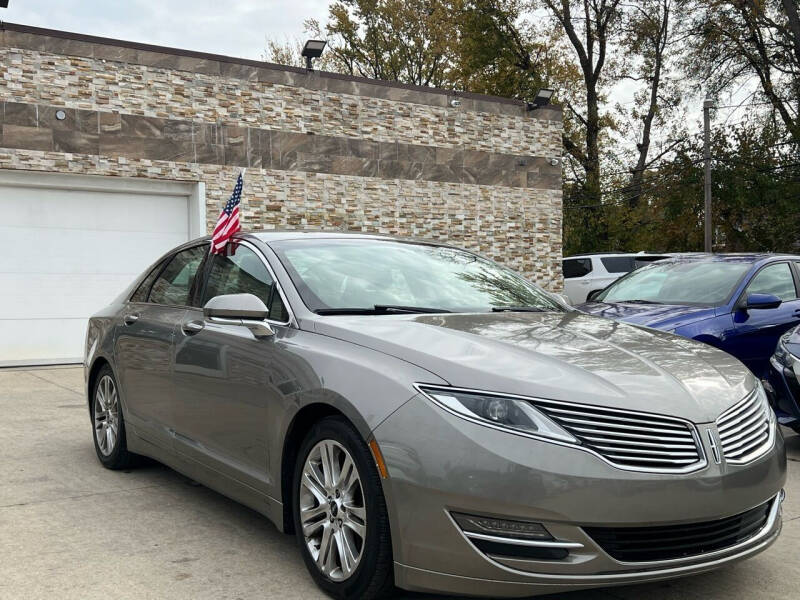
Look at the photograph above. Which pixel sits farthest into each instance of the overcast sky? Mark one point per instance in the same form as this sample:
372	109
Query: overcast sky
231	27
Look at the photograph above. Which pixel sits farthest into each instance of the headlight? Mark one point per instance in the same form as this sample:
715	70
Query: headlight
783	356
511	414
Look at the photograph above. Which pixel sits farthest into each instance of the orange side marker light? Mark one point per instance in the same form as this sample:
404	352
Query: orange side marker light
379	462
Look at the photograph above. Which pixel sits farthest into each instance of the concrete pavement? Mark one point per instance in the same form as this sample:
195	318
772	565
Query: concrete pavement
71	529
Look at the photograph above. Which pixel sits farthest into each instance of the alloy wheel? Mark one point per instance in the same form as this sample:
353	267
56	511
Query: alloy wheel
333	514
106	415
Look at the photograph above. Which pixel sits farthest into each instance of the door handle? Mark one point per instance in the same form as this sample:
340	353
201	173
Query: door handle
130	319
192	327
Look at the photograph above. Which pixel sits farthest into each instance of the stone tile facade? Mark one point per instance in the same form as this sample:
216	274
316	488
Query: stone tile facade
322	151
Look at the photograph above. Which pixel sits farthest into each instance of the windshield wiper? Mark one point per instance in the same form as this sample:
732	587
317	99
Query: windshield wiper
518	309
636	301
380	309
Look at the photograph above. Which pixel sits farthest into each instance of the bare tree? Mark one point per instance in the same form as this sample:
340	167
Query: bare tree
590	27
741	40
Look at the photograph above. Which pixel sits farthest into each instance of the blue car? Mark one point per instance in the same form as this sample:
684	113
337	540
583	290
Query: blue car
740	303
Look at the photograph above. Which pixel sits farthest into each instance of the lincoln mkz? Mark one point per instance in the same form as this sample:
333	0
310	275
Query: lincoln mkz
419	416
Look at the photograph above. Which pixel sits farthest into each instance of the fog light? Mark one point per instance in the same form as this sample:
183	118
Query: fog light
520	530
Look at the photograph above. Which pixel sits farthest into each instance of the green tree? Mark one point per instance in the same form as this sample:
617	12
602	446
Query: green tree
397	40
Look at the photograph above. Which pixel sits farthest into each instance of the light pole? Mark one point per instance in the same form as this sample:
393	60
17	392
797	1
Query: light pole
708	104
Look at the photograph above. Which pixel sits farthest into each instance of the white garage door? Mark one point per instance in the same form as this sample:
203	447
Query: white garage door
70	245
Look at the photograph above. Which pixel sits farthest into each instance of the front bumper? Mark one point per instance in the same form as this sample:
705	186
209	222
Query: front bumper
439	463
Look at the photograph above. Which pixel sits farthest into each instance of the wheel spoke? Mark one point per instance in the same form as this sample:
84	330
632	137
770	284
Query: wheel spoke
345	558
324	547
100	398
330	550
312	484
312	527
355	526
359	512
349	551
347	475
109	439
327	464
310	518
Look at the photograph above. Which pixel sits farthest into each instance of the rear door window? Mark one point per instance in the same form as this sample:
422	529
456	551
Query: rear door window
175	283
140	295
619	264
576	267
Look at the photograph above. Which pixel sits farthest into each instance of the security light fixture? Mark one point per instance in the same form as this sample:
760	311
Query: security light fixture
542	98
313	49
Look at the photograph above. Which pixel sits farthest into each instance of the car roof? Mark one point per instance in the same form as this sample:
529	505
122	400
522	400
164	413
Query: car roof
275	235
733	257
615	254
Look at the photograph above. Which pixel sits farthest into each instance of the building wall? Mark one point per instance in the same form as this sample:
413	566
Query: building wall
321	151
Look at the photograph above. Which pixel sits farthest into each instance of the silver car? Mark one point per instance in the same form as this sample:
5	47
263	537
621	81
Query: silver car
419	416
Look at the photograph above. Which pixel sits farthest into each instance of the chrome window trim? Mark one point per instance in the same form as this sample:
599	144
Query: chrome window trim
702	463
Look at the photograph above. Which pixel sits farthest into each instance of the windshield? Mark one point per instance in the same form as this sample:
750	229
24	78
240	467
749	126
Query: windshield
702	283
366	274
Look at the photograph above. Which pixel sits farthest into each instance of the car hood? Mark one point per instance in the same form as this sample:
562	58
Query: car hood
659	316
563	356
793	341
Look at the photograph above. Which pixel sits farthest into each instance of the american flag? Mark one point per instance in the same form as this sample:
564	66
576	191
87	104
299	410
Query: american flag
228	222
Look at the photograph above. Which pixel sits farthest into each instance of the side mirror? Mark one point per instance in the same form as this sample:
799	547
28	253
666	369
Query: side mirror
563	298
592	295
762	301
239	309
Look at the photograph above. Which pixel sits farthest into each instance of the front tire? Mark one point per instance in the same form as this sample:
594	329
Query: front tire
340	516
110	442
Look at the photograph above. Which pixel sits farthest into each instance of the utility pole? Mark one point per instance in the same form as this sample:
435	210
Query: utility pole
708	104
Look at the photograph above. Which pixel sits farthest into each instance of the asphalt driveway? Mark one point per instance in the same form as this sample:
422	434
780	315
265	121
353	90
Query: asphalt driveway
71	529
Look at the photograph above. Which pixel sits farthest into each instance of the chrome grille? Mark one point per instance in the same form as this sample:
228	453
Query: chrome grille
630	440
745	431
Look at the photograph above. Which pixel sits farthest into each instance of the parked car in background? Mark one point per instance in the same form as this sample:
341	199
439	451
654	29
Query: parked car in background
740	303
589	273
784	379
419	415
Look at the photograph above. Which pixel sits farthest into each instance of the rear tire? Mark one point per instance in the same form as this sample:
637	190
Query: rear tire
337	496
108	423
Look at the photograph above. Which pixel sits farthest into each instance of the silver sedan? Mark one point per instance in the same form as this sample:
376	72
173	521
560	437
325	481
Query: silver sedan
419	416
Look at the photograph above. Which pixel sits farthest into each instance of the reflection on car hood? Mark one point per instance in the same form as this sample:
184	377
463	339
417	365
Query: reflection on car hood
660	316
563	356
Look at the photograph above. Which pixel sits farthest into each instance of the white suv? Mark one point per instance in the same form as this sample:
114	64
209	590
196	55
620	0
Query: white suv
589	273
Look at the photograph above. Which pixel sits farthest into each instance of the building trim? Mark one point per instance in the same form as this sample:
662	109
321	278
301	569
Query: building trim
37	38
36	127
